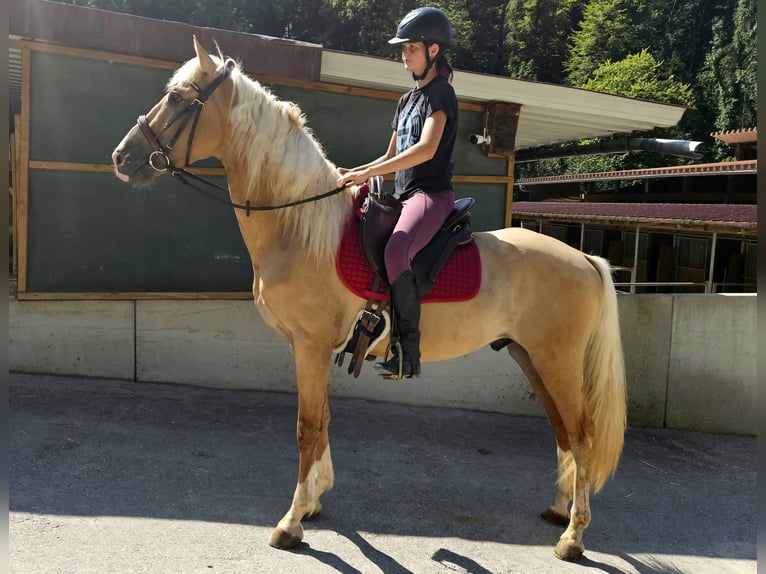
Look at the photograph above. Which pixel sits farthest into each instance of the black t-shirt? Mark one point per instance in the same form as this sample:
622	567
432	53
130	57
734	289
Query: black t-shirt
411	113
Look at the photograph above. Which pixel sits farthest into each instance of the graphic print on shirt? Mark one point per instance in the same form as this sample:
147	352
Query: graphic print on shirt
410	126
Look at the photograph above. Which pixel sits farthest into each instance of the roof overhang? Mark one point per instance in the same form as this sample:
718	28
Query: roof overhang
722	218
734	137
745	167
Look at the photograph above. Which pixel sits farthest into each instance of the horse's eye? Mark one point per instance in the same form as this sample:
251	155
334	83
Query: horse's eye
175	98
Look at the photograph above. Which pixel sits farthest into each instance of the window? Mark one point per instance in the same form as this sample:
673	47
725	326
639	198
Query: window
692	252
593	242
629	245
751	268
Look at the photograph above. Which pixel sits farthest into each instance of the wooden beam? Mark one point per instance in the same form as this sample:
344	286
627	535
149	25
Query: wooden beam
130	296
15	169
502	121
509	190
22	201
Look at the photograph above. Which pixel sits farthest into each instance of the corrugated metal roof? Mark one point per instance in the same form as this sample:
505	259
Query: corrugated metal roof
703	169
732	137
714	216
14	74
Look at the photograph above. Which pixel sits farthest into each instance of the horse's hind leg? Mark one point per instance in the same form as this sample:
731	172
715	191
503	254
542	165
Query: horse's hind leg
315	471
558	512
570	546
572	449
564	384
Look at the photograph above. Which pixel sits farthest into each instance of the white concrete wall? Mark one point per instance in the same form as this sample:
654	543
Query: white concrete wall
690	359
86	338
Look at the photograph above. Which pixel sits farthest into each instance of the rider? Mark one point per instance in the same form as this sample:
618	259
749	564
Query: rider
420	152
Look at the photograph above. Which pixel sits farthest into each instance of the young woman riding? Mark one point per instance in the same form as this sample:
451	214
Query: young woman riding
420	152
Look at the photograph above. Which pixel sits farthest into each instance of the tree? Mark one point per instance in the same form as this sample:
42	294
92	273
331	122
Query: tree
729	73
612	29
479	28
364	26
638	76
537	38
687	35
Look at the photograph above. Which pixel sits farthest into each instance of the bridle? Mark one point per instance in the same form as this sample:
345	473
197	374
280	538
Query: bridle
159	158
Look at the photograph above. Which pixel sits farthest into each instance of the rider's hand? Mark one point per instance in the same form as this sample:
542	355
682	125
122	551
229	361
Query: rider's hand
353	177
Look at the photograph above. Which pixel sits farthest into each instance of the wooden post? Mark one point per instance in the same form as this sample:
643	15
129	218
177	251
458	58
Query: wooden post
709	282
501	119
509	190
634	271
15	165
22	199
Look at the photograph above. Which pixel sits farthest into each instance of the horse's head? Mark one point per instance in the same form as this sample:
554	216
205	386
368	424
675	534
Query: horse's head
186	125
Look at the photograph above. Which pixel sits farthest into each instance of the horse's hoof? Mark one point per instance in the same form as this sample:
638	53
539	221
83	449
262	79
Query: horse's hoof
285	540
553	517
568	551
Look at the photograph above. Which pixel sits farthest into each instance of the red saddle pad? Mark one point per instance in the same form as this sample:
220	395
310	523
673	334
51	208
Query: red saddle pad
459	280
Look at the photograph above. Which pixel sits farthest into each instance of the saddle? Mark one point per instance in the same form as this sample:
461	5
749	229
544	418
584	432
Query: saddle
379	214
381	211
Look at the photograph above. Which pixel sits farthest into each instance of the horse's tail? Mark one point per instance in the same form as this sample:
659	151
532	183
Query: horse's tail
604	383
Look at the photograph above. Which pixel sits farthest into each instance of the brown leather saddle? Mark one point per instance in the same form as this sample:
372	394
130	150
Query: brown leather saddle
380	213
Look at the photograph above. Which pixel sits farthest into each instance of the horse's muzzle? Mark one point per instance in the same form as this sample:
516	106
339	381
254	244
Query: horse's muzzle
118	160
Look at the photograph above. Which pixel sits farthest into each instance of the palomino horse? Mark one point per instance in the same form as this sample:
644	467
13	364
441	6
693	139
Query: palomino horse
555	307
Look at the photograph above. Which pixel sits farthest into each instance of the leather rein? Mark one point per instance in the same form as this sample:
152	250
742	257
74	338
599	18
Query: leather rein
159	158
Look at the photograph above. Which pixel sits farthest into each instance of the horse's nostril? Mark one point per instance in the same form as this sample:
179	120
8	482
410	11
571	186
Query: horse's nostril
117	158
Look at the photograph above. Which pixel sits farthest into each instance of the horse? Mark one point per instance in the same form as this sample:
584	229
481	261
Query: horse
553	307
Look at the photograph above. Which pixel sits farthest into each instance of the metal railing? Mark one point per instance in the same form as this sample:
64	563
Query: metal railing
703	286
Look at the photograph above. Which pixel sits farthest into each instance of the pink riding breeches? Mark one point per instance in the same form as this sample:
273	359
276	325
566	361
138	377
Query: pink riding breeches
422	216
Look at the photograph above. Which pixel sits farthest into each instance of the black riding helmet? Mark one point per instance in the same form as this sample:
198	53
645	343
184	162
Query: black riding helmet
427	25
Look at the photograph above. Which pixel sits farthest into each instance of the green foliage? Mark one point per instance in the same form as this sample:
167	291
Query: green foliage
537	38
728	76
638	76
612	29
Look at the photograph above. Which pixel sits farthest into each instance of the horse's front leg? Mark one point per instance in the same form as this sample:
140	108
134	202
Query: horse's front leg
315	472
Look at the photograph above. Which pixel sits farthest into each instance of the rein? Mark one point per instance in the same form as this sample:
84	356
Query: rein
247	207
159	158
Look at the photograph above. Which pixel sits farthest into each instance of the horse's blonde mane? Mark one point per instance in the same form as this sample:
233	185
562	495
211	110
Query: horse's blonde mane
283	161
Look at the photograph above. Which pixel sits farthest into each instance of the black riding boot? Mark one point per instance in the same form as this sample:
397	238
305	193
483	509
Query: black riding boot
406	306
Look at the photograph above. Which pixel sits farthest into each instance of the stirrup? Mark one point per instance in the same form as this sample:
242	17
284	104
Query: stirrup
398	355
384	371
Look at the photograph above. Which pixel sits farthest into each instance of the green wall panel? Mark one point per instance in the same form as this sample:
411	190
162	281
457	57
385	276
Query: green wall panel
489	210
82	107
91	232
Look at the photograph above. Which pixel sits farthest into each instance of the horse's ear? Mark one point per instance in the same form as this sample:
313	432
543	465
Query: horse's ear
205	61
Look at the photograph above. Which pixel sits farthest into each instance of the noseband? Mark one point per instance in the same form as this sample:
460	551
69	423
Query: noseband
159	159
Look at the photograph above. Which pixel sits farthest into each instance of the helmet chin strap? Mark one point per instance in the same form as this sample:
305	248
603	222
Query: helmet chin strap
429	65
